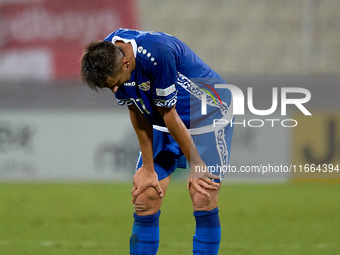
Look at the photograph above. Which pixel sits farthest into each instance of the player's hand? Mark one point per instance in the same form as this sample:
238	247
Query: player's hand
202	180
143	179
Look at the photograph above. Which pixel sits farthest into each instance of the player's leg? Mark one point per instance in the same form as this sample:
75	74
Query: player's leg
208	230
145	233
149	202
214	148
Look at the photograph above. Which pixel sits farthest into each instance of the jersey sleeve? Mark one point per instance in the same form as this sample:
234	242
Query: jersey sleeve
122	98
163	76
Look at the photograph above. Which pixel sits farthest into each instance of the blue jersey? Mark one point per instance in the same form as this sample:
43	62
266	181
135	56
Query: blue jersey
169	73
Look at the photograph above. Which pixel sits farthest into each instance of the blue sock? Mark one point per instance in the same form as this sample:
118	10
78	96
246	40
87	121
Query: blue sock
145	235
208	232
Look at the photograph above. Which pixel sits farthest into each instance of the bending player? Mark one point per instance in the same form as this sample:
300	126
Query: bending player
172	104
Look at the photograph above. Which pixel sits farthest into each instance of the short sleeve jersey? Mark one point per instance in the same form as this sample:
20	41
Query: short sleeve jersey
169	73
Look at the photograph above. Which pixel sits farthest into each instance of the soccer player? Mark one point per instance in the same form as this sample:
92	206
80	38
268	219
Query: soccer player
173	106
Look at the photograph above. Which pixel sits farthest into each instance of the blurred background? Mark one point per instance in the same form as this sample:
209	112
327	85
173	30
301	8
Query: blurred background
52	127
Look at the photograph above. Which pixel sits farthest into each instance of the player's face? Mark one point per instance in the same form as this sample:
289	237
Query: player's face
119	79
122	76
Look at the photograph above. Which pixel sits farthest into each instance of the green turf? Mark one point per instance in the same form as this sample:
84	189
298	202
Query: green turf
96	219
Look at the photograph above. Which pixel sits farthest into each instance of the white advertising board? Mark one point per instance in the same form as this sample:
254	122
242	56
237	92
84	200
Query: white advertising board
72	145
101	145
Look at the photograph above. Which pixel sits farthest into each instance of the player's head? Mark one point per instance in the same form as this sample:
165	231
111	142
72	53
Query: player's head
99	63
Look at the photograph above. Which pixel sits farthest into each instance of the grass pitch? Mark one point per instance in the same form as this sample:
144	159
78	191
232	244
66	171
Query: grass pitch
83	218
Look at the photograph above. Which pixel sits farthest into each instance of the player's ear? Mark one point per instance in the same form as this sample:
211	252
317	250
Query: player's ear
125	62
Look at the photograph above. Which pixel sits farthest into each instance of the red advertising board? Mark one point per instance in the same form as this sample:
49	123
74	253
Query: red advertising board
62	28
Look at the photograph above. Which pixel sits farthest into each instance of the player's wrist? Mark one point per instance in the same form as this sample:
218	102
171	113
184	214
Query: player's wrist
196	161
148	167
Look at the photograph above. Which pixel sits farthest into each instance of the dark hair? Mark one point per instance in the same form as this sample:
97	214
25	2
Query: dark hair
100	60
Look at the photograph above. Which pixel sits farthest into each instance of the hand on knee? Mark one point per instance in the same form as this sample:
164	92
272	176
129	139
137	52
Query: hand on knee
148	202
203	203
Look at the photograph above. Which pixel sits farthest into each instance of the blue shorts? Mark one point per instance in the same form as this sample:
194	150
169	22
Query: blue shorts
213	147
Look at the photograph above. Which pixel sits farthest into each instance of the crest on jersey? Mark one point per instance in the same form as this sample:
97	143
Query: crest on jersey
145	86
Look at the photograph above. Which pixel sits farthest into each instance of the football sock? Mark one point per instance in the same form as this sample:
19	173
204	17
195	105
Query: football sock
208	232
145	235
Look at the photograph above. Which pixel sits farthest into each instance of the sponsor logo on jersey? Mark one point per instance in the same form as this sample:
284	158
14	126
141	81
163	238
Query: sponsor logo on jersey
145	86
130	84
167	91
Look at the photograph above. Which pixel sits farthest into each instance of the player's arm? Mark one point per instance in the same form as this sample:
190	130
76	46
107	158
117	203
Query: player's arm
182	136
145	175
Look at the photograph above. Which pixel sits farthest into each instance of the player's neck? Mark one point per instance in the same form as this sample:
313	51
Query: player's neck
128	51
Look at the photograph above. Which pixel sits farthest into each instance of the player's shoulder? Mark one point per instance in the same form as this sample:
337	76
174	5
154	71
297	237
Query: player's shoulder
141	36
157	37
156	41
155	49
122	33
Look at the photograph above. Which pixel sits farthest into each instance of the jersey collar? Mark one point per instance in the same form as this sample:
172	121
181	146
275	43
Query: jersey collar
132	41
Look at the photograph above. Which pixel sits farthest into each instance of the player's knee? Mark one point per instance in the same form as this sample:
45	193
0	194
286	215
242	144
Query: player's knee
203	203
148	202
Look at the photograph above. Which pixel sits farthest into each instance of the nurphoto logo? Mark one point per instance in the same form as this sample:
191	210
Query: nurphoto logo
238	100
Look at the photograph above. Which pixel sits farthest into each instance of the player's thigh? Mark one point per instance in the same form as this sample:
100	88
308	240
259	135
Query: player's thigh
149	202
214	148
201	202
